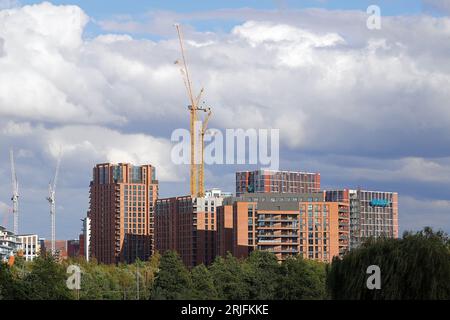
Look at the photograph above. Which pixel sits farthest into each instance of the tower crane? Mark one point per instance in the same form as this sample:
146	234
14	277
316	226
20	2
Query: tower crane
197	183
52	201
15	194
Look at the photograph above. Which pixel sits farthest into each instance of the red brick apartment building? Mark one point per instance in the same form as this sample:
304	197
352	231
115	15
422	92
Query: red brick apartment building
265	181
188	225
285	224
122	202
60	248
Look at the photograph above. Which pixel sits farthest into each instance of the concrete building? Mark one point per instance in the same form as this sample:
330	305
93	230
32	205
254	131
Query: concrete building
372	213
122	201
9	244
287	224
188	226
268	181
29	244
85	239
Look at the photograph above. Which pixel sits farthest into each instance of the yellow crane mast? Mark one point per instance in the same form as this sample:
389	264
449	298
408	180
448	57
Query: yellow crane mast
197	183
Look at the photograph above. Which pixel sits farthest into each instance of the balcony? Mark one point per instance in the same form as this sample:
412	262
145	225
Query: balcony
266	241
278	225
292	251
276	220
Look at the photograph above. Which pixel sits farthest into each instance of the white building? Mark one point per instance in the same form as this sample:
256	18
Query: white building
29	244
217	193
87	237
8	244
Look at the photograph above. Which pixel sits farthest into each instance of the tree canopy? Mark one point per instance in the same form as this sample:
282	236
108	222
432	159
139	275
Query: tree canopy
416	267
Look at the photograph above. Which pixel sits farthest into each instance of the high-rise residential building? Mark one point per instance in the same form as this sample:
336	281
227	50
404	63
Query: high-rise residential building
188	225
288	224
122	202
372	213
29	244
269	181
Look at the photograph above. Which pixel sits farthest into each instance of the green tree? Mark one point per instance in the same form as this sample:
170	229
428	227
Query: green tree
11	287
414	267
173	281
151	268
47	280
302	279
203	284
229	278
262	274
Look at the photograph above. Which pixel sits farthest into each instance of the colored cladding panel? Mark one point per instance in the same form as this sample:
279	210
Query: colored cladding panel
380	203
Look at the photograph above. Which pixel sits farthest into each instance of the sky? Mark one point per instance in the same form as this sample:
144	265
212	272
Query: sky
365	108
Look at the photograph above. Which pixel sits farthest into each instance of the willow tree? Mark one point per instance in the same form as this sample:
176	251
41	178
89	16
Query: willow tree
416	267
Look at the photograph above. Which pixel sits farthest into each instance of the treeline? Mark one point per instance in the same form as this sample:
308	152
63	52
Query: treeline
414	267
165	277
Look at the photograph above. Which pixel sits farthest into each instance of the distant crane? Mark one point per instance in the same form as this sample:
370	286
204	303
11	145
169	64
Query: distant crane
197	174
51	200
15	194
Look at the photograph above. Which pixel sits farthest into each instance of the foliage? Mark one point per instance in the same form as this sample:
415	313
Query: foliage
262	275
302	280
47	280
228	278
173	281
203	284
414	267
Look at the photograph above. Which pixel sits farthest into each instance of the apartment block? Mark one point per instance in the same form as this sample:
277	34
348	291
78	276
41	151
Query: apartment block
29	244
122	203
60	248
188	225
9	244
372	213
268	181
287	225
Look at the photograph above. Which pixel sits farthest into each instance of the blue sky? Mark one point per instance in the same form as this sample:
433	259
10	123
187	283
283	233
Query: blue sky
365	108
104	8
138	9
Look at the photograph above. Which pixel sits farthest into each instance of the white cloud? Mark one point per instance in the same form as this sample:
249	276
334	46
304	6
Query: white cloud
96	144
12	129
333	88
4	214
84	145
268	70
415	214
404	170
442	5
7	4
